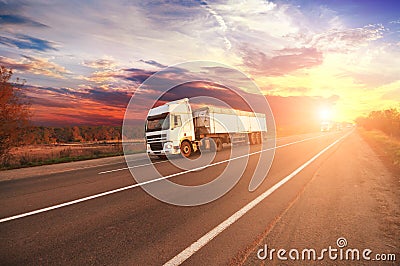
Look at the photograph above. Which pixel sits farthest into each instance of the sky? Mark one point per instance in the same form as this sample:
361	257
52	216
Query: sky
83	60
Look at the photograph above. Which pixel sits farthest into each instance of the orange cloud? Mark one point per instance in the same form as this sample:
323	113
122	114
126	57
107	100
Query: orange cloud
282	62
35	65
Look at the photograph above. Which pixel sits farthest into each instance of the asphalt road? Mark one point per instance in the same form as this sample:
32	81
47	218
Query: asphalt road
343	192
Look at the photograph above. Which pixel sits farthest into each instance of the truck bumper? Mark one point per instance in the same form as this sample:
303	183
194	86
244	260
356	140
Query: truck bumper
173	150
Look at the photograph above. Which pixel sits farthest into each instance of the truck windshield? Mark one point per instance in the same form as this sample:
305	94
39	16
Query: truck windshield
157	122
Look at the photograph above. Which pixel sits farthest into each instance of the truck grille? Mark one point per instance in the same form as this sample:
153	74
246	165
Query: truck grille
156	141
156	146
157	137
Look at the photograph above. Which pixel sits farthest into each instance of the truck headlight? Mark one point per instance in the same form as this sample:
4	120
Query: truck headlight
148	146
168	145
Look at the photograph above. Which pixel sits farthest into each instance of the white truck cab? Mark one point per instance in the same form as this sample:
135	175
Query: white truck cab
169	125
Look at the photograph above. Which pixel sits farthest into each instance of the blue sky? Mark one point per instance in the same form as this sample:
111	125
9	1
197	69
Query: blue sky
94	54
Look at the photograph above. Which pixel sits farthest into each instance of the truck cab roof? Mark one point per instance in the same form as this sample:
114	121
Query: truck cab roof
168	107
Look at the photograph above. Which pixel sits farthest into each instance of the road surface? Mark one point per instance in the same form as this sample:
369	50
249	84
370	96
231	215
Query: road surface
321	187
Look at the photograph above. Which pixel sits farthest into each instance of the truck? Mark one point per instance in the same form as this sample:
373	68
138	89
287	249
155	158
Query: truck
174	128
326	126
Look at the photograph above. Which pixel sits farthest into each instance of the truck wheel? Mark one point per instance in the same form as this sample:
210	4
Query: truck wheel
219	145
253	139
186	148
259	138
216	144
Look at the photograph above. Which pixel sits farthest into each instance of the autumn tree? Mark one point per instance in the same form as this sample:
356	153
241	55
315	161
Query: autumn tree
14	113
76	134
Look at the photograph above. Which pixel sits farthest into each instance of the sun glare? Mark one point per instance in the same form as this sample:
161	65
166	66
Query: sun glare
325	114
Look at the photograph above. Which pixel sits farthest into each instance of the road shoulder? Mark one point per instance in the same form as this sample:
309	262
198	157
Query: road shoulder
62	167
352	195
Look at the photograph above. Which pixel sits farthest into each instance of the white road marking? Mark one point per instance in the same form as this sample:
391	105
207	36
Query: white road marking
68	203
201	242
126	168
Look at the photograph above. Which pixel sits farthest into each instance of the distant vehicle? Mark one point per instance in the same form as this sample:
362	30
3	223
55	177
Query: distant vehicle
338	126
349	125
326	126
175	128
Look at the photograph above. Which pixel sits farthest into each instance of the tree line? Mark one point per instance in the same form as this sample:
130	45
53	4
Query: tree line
387	121
68	134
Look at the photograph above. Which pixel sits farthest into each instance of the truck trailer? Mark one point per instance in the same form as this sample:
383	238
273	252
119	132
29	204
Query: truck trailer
174	128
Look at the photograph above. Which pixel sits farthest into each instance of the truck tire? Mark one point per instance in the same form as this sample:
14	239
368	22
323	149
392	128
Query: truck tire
253	139
186	148
218	143
259	138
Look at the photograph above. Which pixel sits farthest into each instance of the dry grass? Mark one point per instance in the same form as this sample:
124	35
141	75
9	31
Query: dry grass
386	146
34	155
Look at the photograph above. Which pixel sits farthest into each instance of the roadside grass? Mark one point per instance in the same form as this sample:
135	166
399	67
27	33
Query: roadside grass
37	155
386	146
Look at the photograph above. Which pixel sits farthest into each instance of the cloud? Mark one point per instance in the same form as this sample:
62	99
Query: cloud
293	90
35	65
153	63
79	114
285	61
108	98
138	75
103	76
345	40
102	63
119	75
28	43
108	72
392	95
101	95
85	105
221	22
259	22
8	19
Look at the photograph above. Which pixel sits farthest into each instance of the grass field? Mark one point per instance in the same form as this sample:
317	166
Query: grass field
34	155
386	146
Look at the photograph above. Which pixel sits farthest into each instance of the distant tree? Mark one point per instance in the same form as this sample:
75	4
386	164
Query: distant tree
387	121
67	134
14	113
76	134
46	135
